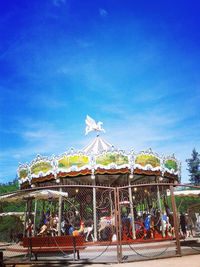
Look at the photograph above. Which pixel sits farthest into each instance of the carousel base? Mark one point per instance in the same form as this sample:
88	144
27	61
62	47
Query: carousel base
19	246
106	251
128	241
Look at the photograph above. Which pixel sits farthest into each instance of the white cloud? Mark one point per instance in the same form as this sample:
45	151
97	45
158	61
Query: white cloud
16	156
46	100
84	43
58	2
103	12
157	129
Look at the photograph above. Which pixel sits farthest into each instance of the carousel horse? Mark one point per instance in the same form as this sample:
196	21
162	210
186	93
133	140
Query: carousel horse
106	222
88	230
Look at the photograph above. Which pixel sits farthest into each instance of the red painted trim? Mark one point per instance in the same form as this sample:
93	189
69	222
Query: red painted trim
73	174
147	172
112	171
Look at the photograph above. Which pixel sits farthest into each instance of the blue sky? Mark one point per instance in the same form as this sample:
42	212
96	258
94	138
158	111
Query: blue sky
132	64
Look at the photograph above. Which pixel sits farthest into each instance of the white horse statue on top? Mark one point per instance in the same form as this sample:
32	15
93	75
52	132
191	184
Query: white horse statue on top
93	126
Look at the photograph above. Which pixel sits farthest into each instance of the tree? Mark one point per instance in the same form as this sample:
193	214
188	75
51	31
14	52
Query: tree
194	167
8	224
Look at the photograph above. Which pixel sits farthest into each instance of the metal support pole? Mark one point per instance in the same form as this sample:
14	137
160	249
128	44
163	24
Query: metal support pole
176	227
131	209
161	217
111	208
59	213
41	212
35	216
94	211
117	223
30	217
120	226
25	218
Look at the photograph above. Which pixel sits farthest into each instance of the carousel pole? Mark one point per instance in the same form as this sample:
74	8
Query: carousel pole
35	215
43	210
161	217
111	204
94	208
118	230
111	208
175	220
30	217
25	218
131	209
59	213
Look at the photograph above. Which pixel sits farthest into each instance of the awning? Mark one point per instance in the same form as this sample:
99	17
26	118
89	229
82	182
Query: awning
17	214
186	193
40	194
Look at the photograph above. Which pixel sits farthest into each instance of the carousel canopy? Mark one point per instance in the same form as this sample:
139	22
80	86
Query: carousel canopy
98	145
98	159
40	194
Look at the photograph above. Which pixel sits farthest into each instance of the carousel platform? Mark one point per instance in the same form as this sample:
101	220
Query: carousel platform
105	251
20	248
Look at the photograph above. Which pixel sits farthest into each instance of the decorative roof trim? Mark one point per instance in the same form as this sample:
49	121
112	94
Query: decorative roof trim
78	162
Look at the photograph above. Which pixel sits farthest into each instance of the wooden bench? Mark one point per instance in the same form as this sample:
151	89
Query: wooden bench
38	244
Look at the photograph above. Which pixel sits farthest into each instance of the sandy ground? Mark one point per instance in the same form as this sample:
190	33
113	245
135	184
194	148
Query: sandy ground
185	261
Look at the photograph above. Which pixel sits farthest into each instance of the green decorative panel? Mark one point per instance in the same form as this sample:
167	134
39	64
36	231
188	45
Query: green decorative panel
23	174
42	166
106	159
143	160
77	160
171	164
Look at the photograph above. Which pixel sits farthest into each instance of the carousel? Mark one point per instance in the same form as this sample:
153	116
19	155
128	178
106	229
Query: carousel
94	184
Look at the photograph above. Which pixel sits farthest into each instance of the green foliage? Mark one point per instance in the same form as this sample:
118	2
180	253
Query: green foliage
11	223
183	203
8	225
6	188
9	187
194	167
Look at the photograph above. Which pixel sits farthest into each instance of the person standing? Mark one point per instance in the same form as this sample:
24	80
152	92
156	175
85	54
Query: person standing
190	226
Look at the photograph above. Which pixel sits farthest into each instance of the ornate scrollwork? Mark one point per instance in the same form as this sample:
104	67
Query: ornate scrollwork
104	200
123	196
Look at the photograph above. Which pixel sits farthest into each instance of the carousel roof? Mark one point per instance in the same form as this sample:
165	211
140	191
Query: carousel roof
98	158
98	145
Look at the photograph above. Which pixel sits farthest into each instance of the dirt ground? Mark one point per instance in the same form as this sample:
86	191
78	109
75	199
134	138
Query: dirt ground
185	261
